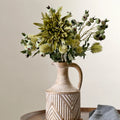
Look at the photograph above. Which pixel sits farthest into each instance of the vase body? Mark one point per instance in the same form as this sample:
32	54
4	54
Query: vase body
63	99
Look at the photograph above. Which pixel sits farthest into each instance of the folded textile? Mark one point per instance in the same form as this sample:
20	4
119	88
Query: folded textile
104	112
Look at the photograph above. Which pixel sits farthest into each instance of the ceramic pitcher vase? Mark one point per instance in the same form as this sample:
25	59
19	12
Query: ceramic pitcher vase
63	99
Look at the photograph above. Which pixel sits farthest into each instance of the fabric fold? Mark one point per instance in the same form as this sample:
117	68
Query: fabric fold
104	112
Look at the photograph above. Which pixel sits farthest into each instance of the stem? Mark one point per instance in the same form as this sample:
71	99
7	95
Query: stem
88	31
62	58
88	49
81	29
87	36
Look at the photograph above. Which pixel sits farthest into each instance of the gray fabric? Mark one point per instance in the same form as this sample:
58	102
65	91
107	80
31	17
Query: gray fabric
104	112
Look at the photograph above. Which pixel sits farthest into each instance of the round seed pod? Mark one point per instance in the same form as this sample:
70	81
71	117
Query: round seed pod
97	20
102	31
86	11
86	15
48	7
106	26
80	23
96	37
88	23
102	37
84	18
73	21
99	27
103	22
97	33
91	20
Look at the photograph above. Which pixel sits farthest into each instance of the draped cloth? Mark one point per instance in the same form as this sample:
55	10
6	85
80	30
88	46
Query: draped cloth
104	112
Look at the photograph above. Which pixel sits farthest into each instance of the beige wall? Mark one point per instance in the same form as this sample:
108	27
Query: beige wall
24	81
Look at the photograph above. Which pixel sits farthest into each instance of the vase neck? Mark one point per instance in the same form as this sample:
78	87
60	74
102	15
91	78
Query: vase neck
62	73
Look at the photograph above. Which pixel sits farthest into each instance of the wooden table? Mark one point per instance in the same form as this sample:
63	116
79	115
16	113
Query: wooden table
40	115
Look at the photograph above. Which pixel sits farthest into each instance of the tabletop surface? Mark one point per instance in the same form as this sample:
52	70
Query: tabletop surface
40	115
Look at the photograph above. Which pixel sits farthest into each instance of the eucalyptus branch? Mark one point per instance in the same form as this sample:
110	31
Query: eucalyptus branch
87	36
65	40
88	31
81	29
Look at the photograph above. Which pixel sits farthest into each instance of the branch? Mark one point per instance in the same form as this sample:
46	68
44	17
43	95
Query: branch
88	31
87	36
81	29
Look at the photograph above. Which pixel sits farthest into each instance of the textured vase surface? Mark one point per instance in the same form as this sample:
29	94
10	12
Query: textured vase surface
63	99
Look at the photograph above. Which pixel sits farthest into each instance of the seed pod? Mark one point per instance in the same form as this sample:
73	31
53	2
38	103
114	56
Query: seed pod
106	26
75	29
86	11
99	27
29	48
27	55
97	33
80	23
86	15
73	21
96	37
84	18
102	31
88	23
103	22
106	20
97	20
48	7
42	54
91	20
102	37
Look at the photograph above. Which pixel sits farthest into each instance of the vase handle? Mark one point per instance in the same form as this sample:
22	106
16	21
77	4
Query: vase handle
80	73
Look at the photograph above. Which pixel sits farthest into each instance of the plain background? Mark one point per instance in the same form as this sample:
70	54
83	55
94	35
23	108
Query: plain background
23	81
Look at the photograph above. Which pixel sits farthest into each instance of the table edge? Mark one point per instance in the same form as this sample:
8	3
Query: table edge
27	115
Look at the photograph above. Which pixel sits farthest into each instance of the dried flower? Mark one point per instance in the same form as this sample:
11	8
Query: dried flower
64	39
96	47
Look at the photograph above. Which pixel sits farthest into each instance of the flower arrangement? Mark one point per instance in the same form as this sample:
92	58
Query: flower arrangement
64	39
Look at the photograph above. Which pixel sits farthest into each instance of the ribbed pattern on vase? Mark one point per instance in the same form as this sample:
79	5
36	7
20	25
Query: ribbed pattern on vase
63	106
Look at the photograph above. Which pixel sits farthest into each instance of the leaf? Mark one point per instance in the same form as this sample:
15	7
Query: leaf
23	34
58	13
70	57
42	15
24	51
59	10
66	17
38	24
47	16
55	56
28	53
55	45
22	41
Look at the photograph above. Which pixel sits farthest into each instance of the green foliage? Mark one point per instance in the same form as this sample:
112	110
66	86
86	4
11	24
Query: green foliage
96	47
64	39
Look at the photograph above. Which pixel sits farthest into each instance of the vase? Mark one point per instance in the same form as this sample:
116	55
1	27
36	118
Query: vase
63	99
